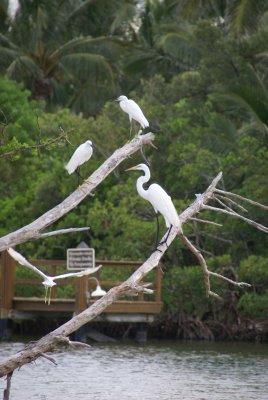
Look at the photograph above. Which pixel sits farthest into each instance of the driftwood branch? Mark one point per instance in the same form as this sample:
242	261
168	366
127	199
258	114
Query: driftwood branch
51	341
133	284
33	230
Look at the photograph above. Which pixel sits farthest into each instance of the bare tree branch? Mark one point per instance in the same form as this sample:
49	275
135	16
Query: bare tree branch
7	390
203	264
239	284
254	203
223	204
232	202
61	232
236	215
32	230
48	358
204	221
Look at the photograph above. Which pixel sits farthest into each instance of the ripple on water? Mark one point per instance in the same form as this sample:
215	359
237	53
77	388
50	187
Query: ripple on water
185	371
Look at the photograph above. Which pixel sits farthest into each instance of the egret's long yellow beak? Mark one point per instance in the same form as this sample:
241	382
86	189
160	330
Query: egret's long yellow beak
132	168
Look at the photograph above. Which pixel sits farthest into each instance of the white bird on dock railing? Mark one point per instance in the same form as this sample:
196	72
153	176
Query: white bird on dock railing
133	110
48	280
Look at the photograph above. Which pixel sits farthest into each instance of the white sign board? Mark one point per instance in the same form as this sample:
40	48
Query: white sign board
80	258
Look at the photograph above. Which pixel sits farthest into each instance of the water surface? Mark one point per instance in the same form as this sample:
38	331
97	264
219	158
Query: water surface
157	370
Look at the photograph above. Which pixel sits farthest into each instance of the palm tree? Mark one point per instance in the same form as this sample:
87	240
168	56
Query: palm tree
4	17
45	50
248	98
245	15
237	16
164	42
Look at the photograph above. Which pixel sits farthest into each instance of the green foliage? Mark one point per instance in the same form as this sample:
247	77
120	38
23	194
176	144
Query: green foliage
66	58
18	116
254	270
252	305
189	73
183	290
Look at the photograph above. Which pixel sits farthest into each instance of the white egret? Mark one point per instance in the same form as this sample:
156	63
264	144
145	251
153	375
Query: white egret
159	199
133	110
48	280
82	154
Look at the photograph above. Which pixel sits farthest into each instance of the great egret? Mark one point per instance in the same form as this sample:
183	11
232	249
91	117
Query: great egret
48	280
79	157
159	199
133	110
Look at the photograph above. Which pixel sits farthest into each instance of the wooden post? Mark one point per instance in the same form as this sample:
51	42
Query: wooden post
7	292
141	295
7	283
80	294
158	282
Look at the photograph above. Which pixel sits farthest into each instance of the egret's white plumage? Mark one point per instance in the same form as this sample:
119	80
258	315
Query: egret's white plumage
49	280
133	110
157	196
80	156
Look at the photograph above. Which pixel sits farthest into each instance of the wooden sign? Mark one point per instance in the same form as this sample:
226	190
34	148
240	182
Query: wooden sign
80	258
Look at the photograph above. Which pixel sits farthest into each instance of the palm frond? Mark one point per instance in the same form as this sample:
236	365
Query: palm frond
180	49
86	67
245	14
7	42
109	48
22	68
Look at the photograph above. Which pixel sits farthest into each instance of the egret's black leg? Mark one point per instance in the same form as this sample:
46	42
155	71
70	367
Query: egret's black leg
157	231
77	171
130	131
157	235
166	238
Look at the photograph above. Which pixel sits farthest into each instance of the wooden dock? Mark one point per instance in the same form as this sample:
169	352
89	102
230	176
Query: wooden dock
76	295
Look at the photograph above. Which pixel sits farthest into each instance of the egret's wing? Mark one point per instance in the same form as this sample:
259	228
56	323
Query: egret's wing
162	202
136	113
22	260
87	271
81	155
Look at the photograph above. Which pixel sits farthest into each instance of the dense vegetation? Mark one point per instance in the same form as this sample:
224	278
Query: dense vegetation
199	71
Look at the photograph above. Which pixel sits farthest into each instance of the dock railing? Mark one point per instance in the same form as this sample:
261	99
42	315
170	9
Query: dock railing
70	294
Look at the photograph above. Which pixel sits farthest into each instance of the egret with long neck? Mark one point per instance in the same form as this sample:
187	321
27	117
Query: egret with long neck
159	199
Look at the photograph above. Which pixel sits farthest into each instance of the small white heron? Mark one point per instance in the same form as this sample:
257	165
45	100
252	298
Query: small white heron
48	280
82	154
133	110
159	199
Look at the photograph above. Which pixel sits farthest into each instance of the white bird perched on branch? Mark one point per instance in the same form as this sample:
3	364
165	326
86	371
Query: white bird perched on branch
159	199
49	280
133	110
82	154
